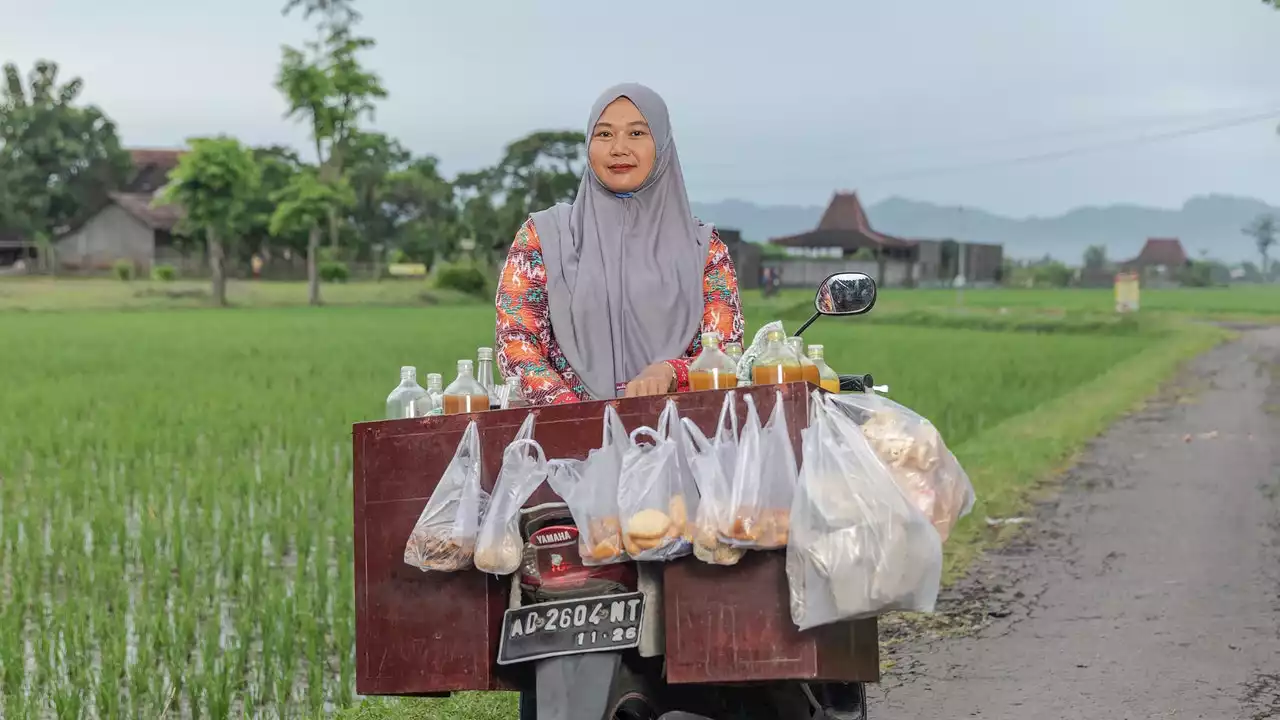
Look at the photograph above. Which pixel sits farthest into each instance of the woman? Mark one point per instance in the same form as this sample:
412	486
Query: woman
611	292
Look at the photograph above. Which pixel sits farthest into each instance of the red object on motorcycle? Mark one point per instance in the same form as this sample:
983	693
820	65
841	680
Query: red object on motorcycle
428	633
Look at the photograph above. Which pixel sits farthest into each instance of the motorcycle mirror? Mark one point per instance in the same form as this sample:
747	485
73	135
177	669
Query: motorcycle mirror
847	293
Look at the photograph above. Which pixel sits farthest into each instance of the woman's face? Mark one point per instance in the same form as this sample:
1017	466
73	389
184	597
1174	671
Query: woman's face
621	150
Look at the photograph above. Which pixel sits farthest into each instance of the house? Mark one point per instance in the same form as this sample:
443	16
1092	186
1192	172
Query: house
131	225
746	258
150	172
845	241
1160	259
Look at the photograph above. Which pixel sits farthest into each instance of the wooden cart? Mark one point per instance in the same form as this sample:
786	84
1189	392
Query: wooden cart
433	633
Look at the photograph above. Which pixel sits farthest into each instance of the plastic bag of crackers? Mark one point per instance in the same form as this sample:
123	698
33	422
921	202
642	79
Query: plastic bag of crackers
499	547
444	538
919	461
590	489
712	462
655	496
859	547
764	482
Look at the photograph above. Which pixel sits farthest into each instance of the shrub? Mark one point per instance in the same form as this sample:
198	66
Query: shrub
122	269
462	278
333	271
164	273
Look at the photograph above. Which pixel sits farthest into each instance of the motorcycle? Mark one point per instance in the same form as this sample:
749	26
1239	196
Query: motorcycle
616	671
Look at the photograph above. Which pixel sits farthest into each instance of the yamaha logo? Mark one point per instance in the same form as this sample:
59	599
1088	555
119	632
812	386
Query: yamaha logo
554	536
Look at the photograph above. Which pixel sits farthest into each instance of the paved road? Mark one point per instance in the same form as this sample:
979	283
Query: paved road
1149	589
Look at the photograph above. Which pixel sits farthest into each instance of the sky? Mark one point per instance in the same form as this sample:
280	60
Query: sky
774	103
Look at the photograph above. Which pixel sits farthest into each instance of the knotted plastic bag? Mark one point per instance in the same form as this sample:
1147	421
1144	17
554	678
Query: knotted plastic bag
654	493
917	458
444	538
590	489
858	547
712	462
764	481
499	548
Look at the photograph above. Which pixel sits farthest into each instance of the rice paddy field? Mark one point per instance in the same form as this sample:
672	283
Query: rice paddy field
175	484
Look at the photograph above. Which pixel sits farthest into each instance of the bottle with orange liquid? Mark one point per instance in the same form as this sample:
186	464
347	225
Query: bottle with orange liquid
776	363
465	394
828	379
734	351
712	369
807	367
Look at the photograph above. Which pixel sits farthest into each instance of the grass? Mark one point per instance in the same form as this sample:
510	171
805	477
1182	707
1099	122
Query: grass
175	486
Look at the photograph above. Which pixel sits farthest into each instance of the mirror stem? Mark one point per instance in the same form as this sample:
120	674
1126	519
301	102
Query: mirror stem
807	323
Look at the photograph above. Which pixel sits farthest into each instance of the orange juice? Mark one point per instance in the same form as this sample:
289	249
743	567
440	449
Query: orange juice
830	385
776	374
810	373
712	380
462	404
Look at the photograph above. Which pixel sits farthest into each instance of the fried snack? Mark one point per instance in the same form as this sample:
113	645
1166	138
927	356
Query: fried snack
501	558
708	548
602	540
648	530
914	454
679	512
432	551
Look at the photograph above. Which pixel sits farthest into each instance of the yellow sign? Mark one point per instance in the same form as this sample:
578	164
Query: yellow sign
1127	289
407	269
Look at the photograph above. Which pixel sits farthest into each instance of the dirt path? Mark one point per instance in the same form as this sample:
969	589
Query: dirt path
1150	588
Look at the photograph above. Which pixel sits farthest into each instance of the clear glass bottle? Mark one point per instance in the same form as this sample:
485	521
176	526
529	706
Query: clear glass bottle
810	370
734	351
484	372
515	397
828	379
712	369
435	388
409	399
776	363
465	394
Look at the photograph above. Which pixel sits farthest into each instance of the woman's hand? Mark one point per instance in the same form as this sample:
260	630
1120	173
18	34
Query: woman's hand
657	379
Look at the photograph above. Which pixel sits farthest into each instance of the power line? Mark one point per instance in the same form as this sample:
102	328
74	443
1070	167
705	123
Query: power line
1079	150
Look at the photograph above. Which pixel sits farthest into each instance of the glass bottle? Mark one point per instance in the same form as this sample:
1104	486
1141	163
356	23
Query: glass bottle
515	397
810	370
712	369
465	394
435	388
827	378
484	372
776	363
409	399
734	351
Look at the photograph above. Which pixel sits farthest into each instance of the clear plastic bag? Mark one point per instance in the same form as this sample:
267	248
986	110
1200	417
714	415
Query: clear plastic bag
859	547
752	352
917	458
444	538
712	462
654	493
499	548
764	481
590	489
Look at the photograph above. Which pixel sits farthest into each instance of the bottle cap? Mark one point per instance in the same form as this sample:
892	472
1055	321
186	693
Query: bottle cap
710	338
408	372
484	353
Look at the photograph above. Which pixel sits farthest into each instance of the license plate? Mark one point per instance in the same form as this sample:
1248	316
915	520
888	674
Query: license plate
571	627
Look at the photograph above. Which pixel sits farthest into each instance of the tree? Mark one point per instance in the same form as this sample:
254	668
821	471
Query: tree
326	86
277	165
58	160
1095	257
215	184
301	206
1263	232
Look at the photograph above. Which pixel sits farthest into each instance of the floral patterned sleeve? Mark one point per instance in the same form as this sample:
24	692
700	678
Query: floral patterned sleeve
524	328
722	308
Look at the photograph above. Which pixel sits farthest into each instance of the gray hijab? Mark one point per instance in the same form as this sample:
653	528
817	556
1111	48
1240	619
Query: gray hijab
624	273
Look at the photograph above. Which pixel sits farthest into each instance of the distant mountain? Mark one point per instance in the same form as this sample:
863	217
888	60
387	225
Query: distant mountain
1207	223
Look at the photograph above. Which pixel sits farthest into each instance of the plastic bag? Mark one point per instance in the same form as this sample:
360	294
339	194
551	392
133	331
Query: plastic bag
712	463
859	547
764	482
654	494
444	538
590	489
499	548
917	458
752	352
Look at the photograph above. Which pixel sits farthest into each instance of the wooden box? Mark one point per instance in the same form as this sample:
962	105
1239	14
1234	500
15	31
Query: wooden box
425	633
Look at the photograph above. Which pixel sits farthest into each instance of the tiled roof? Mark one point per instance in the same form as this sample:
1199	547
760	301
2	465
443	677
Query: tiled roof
139	205
1161	251
844	224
